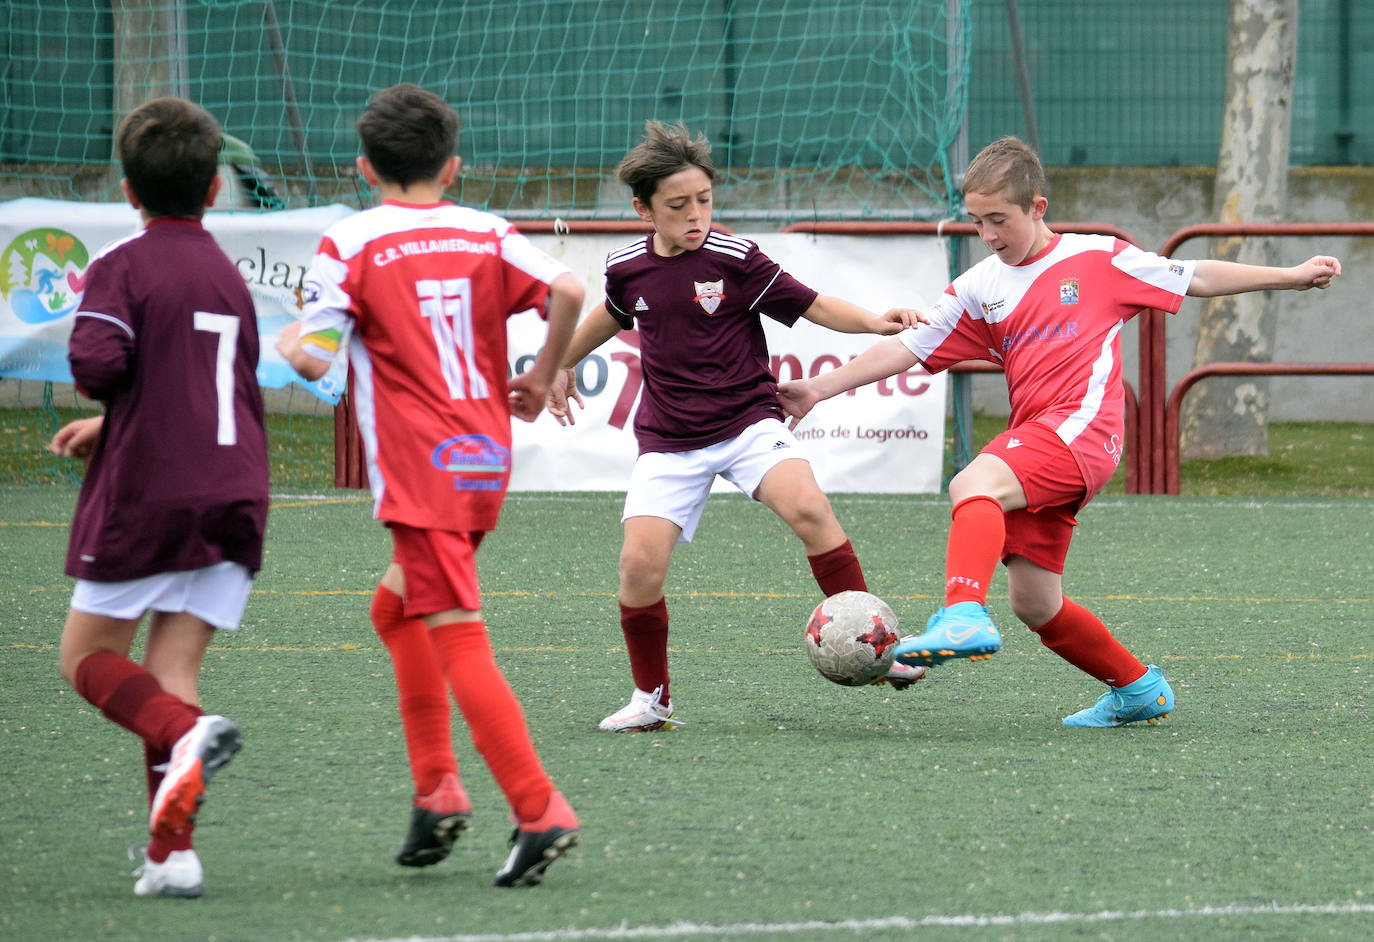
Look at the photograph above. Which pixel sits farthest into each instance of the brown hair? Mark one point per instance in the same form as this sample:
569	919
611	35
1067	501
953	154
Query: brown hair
665	150
408	134
1007	166
169	151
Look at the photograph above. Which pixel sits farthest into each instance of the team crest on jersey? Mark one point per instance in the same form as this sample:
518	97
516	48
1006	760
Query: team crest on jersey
476	462
1068	291
709	294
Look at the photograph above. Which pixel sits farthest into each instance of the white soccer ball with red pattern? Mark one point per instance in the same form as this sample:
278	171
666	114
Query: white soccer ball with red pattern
850	638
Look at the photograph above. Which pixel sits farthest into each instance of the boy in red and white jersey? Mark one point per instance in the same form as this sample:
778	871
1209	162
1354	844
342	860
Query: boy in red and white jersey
1049	310
425	287
173	507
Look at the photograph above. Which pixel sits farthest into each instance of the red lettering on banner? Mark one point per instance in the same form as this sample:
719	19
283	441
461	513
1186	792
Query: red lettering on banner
634	378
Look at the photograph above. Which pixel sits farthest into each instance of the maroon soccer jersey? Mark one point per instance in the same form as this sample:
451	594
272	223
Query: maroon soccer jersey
702	346
167	338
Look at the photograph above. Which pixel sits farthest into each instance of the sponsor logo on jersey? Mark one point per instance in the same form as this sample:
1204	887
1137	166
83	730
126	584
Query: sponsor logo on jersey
1175	269
1013	443
709	294
1068	291
476	462
641	304
1065	331
991	308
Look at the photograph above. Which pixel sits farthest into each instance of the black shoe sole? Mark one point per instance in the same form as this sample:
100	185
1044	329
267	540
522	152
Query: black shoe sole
431	837
531	855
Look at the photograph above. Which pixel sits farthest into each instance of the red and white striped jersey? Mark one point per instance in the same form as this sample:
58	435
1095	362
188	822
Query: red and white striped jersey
1053	324
425	292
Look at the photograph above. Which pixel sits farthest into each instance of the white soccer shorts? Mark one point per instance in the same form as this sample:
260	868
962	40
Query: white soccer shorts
674	485
217	595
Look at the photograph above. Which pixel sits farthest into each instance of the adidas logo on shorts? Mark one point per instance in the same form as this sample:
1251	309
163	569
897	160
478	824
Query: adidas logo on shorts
780	444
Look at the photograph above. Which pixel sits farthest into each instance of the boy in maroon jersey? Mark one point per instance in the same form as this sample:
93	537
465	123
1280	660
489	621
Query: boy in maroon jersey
1049	310
172	510
426	287
709	404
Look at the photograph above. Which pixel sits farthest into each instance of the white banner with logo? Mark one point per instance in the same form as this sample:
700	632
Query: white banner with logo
884	438
48	244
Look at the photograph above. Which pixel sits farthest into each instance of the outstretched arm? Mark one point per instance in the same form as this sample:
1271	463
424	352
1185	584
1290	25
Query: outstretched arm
596	328
528	390
885	358
306	364
848	318
1214	278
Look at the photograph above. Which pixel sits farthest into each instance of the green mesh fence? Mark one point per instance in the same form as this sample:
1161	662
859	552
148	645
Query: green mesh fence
816	108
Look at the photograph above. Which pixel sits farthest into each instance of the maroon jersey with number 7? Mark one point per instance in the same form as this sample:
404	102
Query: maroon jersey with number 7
166	338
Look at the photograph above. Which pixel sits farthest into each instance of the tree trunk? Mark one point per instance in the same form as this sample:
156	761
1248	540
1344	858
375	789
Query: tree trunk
1224	415
149	52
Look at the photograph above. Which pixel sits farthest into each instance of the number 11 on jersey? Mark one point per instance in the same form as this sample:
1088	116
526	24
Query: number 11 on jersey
448	305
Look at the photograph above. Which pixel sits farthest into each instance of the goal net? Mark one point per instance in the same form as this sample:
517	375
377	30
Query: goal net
817	109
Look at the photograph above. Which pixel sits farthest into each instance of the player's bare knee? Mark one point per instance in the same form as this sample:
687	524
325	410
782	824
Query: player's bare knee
1033	610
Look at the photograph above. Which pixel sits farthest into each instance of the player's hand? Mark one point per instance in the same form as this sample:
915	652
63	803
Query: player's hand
797	399
288	339
526	398
77	439
563	393
1317	272
898	319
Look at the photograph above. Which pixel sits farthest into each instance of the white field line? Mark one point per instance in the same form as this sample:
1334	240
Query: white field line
899	923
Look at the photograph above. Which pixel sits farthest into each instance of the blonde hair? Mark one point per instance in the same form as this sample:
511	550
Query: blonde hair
1009	167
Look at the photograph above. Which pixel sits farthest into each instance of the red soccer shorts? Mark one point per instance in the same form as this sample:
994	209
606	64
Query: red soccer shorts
440	568
1054	491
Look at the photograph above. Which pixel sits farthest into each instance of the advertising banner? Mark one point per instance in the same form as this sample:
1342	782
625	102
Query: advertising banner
884	438
47	245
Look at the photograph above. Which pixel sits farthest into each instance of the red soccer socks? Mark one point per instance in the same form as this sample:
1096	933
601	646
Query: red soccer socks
1079	637
977	532
493	715
422	694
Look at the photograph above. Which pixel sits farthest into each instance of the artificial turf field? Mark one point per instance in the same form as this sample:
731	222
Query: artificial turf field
785	807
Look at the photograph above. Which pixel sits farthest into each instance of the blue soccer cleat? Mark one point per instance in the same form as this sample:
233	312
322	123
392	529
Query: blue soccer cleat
1150	699
962	630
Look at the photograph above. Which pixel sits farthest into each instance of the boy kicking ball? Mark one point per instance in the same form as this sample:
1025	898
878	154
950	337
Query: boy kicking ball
1049	310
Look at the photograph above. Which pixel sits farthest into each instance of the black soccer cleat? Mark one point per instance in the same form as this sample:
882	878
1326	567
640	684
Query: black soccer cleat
536	844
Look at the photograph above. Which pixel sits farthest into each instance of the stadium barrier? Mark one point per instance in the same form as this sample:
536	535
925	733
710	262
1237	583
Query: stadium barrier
1174	406
1159	418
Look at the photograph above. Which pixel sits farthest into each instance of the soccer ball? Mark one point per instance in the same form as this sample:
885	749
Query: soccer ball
850	638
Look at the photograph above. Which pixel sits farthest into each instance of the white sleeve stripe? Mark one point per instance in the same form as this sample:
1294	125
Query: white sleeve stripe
106	317
1155	270
756	301
1091	403
723	250
736	240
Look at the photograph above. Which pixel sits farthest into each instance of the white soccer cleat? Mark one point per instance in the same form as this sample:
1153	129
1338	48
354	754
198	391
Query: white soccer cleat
641	714
901	676
180	876
195	757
